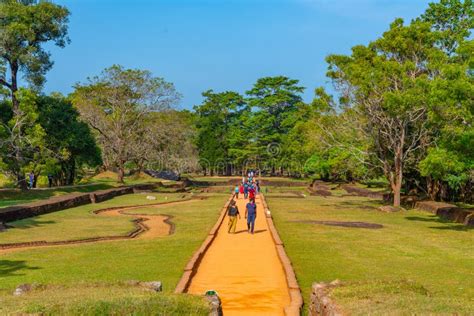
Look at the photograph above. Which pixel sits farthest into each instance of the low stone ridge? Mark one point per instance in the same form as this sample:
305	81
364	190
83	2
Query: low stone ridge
156	286
341	224
321	304
104	195
319	188
25	288
164	174
58	203
357	191
17	212
390	209
433	206
215	304
147	186
276	183
448	212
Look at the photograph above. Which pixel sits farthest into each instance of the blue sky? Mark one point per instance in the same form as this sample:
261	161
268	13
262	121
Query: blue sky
218	44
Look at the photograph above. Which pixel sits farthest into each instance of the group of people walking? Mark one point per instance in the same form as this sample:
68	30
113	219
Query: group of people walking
248	189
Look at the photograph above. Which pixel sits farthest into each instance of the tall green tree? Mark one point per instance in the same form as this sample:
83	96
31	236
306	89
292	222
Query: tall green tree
25	26
115	105
19	148
387	83
452	20
69	144
216	121
394	85
275	102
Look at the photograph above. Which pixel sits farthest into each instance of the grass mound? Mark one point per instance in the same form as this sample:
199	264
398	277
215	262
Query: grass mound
106	175
101	299
141	176
397	296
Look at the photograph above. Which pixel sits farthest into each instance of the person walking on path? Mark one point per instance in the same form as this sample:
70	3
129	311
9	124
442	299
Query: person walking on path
50	180
32	179
252	193
246	190
241	189
233	212
251	215
236	191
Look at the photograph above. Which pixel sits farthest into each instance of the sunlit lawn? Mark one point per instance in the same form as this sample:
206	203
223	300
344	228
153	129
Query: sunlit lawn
101	299
416	263
81	222
140	259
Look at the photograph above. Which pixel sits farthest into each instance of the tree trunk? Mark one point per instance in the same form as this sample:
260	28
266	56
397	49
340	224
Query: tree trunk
396	194
121	173
14	88
72	173
21	181
397	179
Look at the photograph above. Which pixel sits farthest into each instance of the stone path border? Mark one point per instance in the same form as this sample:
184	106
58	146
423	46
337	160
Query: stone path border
296	299
191	267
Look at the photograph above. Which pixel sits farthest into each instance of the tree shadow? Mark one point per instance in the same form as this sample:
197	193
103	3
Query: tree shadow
258	231
351	204
30	223
435	219
13	267
424	219
461	228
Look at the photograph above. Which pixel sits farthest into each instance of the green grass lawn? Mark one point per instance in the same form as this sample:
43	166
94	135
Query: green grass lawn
139	259
9	197
416	264
101	299
81	222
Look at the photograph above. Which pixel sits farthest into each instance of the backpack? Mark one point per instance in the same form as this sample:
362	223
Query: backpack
233	210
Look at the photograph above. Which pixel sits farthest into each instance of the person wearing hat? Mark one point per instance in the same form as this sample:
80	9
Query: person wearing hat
233	212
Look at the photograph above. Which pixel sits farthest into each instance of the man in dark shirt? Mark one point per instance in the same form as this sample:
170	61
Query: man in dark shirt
251	215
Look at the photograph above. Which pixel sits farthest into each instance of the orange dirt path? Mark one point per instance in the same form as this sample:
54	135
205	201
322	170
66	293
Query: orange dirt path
244	269
155	224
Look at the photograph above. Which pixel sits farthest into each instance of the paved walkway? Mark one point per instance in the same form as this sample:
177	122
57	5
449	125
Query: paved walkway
244	269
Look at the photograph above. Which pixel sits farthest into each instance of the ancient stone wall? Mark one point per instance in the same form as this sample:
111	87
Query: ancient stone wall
54	204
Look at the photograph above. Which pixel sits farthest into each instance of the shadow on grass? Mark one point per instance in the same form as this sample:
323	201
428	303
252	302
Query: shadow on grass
425	219
30	223
363	205
13	267
435	219
461	228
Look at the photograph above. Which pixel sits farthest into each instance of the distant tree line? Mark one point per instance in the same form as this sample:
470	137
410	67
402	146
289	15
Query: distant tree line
404	112
121	119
